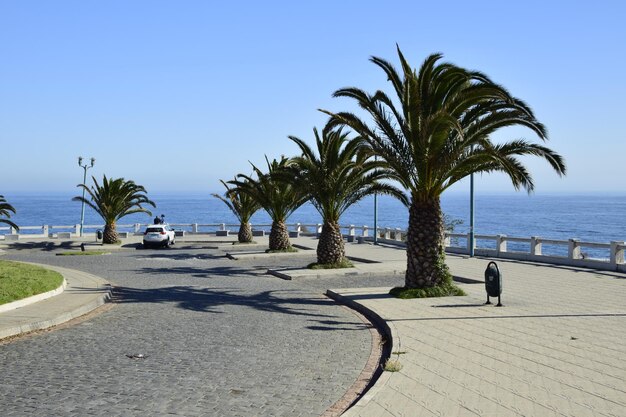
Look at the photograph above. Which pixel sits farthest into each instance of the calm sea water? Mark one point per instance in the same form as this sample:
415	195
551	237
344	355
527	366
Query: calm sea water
595	218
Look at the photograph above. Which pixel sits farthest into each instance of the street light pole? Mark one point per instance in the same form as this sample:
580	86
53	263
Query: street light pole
82	210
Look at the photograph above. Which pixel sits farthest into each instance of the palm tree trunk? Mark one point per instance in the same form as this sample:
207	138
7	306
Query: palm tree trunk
279	238
426	265
330	248
110	233
245	233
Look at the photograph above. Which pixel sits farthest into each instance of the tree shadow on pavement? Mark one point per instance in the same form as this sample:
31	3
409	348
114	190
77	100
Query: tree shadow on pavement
43	246
212	300
339	325
181	256
212	272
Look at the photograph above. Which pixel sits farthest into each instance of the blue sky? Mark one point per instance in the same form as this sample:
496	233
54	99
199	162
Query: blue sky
177	95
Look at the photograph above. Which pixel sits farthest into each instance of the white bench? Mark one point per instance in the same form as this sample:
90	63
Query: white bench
179	233
258	233
12	237
222	233
64	235
294	234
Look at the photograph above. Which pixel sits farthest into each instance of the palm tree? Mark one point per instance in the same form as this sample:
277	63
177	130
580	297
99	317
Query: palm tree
439	135
243	207
114	199
278	196
335	176
5	211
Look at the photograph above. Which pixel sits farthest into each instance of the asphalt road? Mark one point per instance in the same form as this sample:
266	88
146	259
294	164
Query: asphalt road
219	338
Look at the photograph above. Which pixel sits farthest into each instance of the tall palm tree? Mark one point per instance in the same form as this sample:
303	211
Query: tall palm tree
440	134
114	199
243	207
278	196
336	175
5	211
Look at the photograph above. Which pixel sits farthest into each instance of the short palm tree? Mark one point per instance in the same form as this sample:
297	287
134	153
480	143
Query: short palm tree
5	211
114	199
440	134
278	196
336	175
243	207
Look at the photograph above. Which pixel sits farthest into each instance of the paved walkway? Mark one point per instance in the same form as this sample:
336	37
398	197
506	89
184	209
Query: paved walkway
84	293
556	348
221	338
224	338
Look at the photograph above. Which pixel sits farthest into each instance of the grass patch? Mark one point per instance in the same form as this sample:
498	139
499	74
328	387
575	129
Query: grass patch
19	281
290	249
245	243
86	253
344	263
392	365
445	290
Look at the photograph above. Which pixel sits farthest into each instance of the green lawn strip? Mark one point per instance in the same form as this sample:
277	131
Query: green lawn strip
19	281
86	253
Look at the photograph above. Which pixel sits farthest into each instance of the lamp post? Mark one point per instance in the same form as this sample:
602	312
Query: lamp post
82	210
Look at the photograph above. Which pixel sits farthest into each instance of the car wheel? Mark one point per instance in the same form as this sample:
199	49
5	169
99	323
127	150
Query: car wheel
167	243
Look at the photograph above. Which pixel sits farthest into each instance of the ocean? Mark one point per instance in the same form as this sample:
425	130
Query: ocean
591	218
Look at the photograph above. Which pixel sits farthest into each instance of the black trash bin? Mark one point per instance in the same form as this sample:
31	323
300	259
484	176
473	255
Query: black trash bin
493	282
99	234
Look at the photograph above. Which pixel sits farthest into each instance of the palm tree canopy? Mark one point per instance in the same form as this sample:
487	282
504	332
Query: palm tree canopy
338	173
241	204
273	189
440	133
5	211
115	198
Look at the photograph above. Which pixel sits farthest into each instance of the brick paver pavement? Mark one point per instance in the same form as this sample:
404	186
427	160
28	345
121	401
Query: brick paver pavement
221	339
556	348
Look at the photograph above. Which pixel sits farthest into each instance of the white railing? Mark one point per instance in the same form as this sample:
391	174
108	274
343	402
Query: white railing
572	252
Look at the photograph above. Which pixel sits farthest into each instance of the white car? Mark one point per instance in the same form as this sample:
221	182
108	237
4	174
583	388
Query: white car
158	235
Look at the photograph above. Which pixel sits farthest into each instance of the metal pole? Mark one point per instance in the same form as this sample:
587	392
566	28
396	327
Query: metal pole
375	219
375	212
82	209
471	227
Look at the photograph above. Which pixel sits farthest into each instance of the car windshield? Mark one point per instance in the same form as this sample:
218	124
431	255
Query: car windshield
154	230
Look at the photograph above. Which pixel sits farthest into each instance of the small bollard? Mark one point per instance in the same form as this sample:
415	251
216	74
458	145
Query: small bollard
98	234
82	247
493	282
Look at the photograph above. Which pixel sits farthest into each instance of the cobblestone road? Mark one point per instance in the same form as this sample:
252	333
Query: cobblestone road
221	339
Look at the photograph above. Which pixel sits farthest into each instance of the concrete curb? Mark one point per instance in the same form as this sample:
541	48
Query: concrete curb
264	255
33	298
84	293
381	380
365	270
